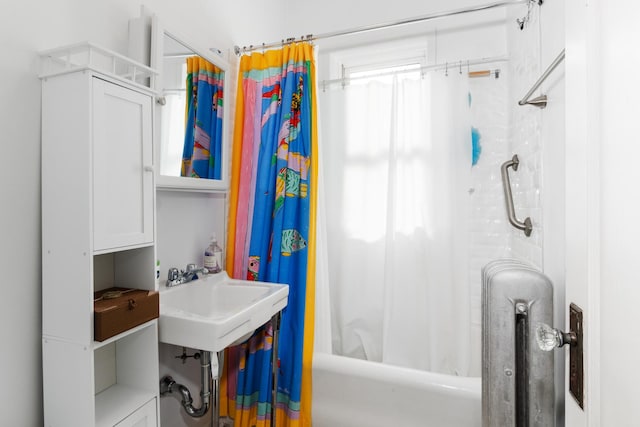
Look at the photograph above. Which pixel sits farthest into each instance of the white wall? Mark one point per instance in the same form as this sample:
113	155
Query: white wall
620	203
26	28
185	222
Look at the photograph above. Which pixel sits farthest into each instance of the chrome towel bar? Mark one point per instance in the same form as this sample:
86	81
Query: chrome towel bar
526	226
541	101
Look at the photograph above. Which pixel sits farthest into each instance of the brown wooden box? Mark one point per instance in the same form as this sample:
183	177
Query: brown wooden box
119	309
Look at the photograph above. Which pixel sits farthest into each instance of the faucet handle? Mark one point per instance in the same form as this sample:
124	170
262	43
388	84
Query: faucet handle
193	269
173	274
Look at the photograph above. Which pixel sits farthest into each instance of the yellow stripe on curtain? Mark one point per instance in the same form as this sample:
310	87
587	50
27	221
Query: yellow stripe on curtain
309	314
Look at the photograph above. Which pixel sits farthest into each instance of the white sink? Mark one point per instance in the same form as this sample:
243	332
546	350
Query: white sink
215	312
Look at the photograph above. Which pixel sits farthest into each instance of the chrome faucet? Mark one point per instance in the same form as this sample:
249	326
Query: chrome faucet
178	277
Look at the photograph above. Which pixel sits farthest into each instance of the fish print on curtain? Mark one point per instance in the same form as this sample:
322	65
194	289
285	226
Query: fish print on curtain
272	231
202	154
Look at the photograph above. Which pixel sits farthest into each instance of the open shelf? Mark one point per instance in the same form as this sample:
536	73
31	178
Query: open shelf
125	368
117	402
135	329
131	268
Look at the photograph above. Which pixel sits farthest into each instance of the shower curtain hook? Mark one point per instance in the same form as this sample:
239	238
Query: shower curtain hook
446	69
460	65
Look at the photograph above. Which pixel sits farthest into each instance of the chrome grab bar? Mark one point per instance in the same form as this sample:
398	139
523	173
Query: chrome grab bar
526	226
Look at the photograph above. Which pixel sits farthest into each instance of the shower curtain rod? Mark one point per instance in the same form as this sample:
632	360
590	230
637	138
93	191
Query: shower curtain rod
178	55
310	37
456	66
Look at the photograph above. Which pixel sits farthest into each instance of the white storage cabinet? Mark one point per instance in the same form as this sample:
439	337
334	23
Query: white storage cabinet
97	232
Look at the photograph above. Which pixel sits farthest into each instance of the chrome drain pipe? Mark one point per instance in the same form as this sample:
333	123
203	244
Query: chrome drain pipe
167	385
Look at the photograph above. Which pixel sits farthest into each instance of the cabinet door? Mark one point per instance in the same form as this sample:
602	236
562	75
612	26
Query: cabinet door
122	167
143	417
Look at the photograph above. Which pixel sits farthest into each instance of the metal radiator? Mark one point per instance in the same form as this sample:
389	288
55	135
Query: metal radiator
517	376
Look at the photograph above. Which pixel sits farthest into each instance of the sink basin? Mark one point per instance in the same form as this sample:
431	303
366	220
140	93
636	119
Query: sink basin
216	311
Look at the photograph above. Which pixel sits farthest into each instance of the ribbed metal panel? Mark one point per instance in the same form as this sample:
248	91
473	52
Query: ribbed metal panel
517	376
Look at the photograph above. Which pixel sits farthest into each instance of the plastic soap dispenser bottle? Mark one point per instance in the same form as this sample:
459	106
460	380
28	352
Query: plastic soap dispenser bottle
213	256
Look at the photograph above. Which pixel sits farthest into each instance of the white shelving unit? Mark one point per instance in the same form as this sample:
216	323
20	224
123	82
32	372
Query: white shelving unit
98	217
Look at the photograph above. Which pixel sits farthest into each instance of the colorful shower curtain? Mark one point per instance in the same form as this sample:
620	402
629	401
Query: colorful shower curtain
202	155
272	231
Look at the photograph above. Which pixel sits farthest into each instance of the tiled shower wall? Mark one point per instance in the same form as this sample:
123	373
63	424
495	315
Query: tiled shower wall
525	127
537	136
505	129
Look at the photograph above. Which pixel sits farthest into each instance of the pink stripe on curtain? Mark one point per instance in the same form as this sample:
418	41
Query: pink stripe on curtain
244	191
257	129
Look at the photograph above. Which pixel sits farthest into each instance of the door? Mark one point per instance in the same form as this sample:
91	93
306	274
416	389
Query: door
603	43
583	205
122	167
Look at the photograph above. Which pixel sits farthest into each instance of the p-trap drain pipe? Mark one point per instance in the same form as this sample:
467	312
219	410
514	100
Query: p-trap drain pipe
167	385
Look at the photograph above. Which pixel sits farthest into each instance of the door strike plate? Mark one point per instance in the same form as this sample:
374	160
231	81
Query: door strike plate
576	368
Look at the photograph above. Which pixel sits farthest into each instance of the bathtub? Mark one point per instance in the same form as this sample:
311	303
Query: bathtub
357	393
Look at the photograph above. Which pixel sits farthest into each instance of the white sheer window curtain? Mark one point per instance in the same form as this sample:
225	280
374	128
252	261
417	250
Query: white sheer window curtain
396	163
